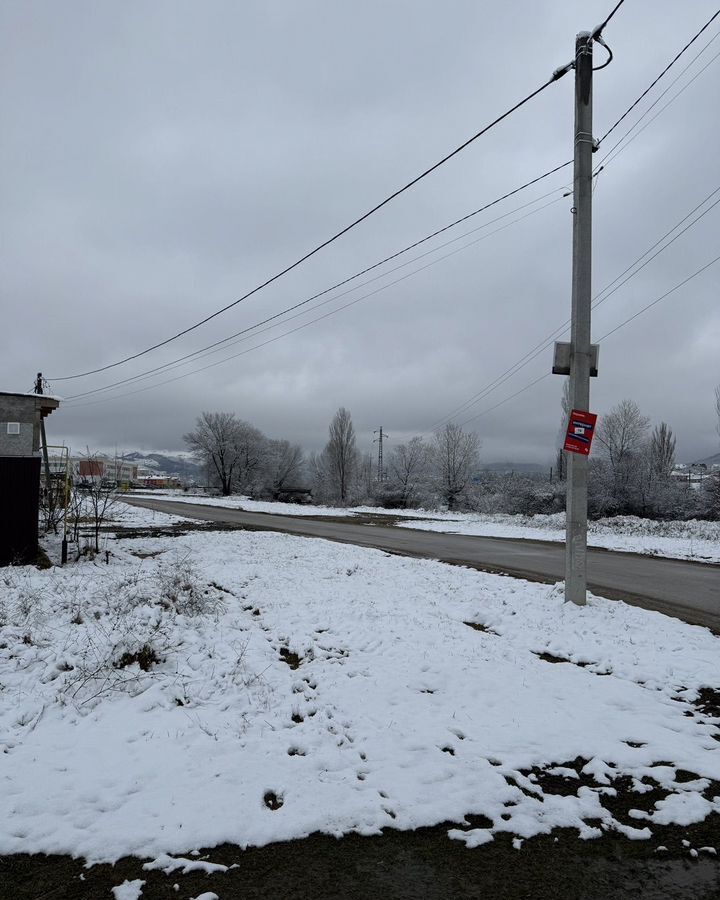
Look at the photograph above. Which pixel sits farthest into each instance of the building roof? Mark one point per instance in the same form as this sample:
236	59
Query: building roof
44	403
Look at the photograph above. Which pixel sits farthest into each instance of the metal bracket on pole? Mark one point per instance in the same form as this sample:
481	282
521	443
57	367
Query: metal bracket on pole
562	357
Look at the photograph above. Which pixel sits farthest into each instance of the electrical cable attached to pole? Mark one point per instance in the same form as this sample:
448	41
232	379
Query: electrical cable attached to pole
556	75
232	338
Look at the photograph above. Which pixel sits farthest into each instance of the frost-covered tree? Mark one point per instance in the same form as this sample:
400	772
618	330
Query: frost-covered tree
622	433
284	466
364	480
409	468
662	451
252	448
214	440
337	465
456	457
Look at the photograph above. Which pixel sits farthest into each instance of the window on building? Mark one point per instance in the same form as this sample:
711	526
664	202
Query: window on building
13	428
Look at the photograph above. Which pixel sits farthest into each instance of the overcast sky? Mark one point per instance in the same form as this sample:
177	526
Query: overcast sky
160	159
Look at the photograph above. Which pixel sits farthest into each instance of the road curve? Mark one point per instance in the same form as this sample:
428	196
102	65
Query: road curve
687	590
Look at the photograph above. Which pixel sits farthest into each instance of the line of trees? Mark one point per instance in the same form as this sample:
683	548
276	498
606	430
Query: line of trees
631	473
630	470
434	473
239	458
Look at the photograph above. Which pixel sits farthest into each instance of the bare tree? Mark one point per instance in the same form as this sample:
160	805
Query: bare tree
251	448
365	482
98	495
408	466
623	463
622	433
215	440
285	463
456	456
340	454
662	451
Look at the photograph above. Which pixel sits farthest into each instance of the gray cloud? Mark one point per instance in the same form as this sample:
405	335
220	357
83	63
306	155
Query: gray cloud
161	159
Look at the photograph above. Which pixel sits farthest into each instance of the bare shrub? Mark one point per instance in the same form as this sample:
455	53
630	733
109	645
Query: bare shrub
181	589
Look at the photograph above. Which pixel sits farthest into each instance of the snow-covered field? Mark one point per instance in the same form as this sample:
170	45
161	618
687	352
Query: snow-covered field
253	687
694	540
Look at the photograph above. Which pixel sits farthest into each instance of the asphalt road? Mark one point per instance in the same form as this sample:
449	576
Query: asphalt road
688	590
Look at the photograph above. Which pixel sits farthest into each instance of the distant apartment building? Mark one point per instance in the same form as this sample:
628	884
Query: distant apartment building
103	468
158	481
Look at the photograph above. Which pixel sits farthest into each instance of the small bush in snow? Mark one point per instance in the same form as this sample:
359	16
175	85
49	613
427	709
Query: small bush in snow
180	589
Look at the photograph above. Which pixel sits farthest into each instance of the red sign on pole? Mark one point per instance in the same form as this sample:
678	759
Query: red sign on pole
580	431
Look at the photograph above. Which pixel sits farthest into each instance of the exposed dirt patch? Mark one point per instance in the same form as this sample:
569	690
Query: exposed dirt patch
121	532
478	821
290	658
42	561
565	785
708	702
565	779
219	587
146	554
272	800
405	865
478	626
551	658
145	657
367	519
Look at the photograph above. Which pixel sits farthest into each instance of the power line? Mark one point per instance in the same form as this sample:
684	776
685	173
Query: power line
622	143
604	337
609	289
598	300
557	74
666	294
231	338
661	75
324	316
599	29
539	348
506	400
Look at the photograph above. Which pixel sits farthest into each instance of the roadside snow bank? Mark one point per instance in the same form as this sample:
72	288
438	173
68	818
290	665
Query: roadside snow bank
694	540
254	687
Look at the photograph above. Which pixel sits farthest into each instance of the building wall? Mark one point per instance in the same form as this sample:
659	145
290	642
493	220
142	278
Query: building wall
19	501
21	410
101	467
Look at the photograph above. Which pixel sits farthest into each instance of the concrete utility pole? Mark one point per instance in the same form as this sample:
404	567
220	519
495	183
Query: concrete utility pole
380	470
580	350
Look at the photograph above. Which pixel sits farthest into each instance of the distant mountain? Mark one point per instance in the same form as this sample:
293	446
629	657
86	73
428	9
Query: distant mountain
182	465
708	460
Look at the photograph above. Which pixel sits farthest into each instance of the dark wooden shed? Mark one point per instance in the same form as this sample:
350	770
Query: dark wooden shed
21	416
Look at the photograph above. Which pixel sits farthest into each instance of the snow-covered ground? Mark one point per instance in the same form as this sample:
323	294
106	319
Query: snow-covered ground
694	540
252	687
238	501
